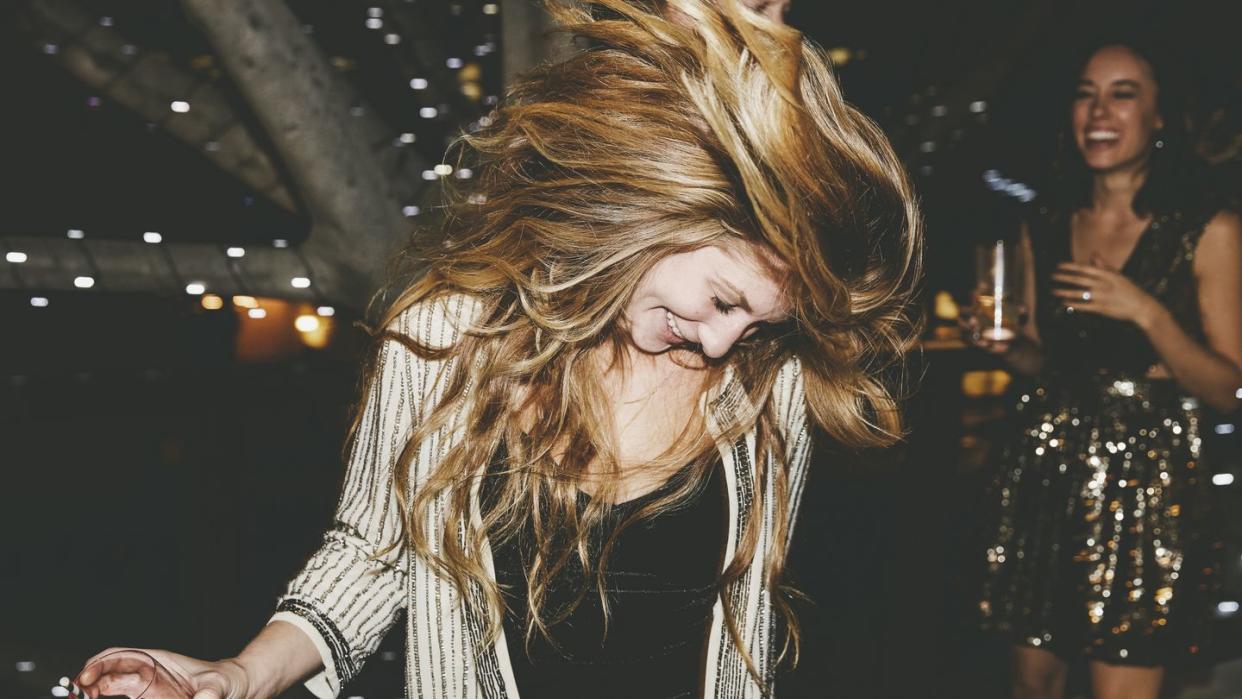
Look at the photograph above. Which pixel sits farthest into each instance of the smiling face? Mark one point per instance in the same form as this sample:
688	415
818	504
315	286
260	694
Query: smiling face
711	298
1114	115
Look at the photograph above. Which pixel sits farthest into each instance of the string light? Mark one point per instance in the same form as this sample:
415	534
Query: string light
453	63
414	211
300	283
235	252
280	243
428	112
245	302
84	282
180	106
392	39
375	23
491	8
17	257
418	83
39	301
326	311
375	12
75	234
978	107
256	313
465	173
105	21
212	302
430	175
152	237
443	169
1222	479
195	288
408	137
51	49
1225	428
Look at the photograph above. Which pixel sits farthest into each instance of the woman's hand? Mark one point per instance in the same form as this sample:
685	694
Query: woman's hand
225	679
1094	288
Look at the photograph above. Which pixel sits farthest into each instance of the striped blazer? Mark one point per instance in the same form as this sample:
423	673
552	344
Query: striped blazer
345	598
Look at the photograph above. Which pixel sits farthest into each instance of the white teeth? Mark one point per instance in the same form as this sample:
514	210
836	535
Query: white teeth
1103	135
672	324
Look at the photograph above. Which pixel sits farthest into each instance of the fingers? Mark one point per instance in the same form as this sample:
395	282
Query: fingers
1085	270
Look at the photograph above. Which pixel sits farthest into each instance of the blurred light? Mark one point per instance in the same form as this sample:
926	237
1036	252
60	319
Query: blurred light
211	146
105	21
471	71
465	173
418	83
411	210
491	8
480	50
1224	428
256	313
299	283
38	301
25	666
152	237
280	243
927	146
392	39
444	169
1227	608
235	252
1222	479
428	112
840	55
60	692
93	101
939	110
75	234
453	62
195	288
84	282
129	49
326	311
180	106
342	63
429	175
978	106
245	302
1237	393
408	137
357	110
16	257
946	307
375	23
375	12
306	323
212	302
491	99
472	90
977	384
51	49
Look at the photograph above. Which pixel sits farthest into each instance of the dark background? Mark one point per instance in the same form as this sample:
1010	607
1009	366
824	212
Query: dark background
160	485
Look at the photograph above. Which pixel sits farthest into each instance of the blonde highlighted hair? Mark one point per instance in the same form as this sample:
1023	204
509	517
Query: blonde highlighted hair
658	136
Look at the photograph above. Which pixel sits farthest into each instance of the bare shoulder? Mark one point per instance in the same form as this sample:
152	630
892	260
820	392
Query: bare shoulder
1220	246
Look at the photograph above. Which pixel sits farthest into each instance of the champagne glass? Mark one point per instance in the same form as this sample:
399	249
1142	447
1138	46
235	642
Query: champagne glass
129	673
998	304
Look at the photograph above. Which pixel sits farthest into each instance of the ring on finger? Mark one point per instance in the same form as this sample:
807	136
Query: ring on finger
1086	296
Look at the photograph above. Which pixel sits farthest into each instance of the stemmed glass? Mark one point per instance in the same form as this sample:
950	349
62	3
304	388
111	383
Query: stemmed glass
128	673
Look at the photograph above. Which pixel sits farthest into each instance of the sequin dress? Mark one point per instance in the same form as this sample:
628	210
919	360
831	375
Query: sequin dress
1100	540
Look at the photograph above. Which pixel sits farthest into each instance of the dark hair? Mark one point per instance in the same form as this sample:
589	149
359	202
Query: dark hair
1176	176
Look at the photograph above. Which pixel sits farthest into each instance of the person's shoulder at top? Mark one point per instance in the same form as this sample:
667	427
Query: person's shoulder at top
437	322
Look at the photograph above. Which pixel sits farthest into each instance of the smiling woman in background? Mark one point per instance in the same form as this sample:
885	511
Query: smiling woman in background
1100	547
579	456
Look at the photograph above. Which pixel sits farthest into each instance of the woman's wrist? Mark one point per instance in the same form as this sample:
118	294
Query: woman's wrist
1151	316
245	682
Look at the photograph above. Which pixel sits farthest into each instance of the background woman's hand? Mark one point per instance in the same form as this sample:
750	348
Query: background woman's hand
968	321
225	679
1094	288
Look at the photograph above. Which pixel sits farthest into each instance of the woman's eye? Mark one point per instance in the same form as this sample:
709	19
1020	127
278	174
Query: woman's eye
1123	95
724	308
1082	94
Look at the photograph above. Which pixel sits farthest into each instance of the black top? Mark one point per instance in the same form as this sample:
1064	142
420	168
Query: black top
661	582
1162	264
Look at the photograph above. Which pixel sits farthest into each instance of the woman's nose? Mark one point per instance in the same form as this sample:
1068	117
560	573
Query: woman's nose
718	337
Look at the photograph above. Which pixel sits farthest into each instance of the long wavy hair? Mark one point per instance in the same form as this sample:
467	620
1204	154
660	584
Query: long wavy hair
656	137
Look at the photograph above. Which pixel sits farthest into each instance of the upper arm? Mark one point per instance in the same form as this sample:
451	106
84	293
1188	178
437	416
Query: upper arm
1218	272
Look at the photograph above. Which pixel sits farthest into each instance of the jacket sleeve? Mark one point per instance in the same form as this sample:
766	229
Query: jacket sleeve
349	594
791	415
